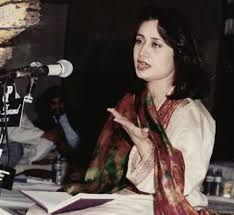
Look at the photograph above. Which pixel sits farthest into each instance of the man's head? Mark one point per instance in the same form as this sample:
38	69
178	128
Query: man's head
55	100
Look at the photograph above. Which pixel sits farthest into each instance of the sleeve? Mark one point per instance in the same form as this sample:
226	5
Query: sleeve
141	171
194	135
70	134
35	147
26	132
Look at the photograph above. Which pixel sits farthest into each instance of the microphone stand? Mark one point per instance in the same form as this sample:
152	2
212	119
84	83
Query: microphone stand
32	83
5	75
7	174
31	71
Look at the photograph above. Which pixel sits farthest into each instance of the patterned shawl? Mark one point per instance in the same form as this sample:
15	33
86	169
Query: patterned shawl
106	173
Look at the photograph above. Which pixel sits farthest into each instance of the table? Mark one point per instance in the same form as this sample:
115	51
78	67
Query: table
13	202
221	204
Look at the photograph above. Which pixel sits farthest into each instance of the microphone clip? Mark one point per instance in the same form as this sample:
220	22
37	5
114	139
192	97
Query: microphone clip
7	176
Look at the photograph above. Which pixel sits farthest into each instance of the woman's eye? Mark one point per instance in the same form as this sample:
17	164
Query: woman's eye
156	45
138	41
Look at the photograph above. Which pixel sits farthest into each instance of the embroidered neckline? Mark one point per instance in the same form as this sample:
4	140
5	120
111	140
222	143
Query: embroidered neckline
165	98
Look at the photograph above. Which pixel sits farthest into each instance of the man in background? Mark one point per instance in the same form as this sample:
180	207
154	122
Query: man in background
54	118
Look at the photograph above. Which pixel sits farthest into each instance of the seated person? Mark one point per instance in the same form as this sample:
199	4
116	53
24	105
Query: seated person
159	138
54	119
11	154
26	143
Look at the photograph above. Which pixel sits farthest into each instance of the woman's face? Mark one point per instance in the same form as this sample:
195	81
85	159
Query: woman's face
153	58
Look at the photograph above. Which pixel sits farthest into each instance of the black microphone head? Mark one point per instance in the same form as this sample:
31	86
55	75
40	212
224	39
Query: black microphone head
67	68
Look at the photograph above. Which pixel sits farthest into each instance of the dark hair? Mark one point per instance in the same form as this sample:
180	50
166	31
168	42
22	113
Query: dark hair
42	102
53	92
190	80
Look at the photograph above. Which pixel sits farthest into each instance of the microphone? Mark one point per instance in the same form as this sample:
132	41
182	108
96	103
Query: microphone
63	68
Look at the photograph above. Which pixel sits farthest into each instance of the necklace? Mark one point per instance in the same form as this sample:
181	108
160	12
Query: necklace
165	98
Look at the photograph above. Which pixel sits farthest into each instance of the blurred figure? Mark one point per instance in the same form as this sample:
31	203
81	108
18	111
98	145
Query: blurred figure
11	154
55	120
26	143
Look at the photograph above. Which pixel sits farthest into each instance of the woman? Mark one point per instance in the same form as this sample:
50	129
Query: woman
162	123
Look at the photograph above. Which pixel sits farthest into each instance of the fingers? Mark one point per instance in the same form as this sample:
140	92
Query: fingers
115	113
128	125
121	119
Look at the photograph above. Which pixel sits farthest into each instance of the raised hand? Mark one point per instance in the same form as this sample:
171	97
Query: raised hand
138	135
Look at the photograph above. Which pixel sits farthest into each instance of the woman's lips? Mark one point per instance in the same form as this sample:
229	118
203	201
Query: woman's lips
142	65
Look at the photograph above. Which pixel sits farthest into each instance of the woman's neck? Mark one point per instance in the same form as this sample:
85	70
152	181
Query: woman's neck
159	91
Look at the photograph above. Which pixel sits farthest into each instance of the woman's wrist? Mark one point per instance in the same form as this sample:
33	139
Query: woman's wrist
144	147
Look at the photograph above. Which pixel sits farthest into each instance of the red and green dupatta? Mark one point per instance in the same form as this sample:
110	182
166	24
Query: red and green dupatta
169	164
106	173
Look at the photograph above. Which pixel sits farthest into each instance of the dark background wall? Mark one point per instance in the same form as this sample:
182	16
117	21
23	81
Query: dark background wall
223	105
95	36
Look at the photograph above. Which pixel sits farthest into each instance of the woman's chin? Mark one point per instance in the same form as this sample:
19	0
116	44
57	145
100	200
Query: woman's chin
142	75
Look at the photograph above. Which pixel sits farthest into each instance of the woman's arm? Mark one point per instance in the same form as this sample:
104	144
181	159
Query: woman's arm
141	161
139	136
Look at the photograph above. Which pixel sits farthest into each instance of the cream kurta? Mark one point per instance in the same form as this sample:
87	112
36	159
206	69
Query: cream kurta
192	131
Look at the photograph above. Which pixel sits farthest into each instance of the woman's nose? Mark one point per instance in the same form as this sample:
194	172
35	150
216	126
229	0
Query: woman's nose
144	52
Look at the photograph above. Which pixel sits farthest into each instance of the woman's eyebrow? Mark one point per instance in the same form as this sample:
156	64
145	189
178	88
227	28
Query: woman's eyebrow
153	38
141	35
158	39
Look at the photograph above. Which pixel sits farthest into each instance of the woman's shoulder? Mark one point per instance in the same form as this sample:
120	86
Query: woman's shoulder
197	106
192	116
193	111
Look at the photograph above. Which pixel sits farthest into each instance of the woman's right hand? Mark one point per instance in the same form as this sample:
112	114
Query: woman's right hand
138	135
